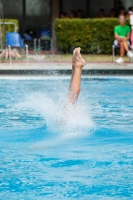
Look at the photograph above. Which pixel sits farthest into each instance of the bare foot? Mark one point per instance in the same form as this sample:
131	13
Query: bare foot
78	60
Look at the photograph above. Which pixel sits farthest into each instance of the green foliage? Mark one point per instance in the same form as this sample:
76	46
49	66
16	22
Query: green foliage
10	28
5	28
92	35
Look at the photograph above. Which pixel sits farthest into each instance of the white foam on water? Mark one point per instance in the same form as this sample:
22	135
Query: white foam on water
65	123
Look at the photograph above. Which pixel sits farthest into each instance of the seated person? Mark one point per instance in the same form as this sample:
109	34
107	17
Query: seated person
112	13
122	11
62	15
122	35
101	13
13	53
79	14
71	14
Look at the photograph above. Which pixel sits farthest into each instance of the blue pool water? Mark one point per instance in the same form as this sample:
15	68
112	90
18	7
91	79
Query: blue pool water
84	153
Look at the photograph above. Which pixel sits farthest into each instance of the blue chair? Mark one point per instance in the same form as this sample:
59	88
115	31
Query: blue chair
116	46
14	39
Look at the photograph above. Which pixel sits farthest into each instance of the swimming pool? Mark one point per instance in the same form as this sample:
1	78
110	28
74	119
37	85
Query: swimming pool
88	156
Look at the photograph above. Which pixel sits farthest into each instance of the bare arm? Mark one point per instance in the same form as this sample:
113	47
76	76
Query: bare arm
128	36
117	37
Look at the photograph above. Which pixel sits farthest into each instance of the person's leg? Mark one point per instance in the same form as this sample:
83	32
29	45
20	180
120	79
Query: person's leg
12	54
73	64
126	47
77	64
6	54
18	55
125	44
122	49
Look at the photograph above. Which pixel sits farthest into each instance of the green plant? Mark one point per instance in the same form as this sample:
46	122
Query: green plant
5	27
92	35
9	28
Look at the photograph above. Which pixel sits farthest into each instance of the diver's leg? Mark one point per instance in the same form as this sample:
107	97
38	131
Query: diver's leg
73	64
77	65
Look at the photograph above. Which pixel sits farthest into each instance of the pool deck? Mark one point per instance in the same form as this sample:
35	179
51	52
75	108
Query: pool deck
60	68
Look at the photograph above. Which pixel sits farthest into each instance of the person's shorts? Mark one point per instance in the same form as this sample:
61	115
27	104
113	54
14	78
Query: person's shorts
117	44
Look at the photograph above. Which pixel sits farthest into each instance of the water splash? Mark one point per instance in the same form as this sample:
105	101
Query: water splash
56	115
63	124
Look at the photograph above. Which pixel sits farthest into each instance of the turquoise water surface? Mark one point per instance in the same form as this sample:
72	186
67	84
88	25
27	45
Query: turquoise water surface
48	152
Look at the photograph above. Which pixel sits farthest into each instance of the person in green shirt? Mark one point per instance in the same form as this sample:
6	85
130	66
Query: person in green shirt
122	36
